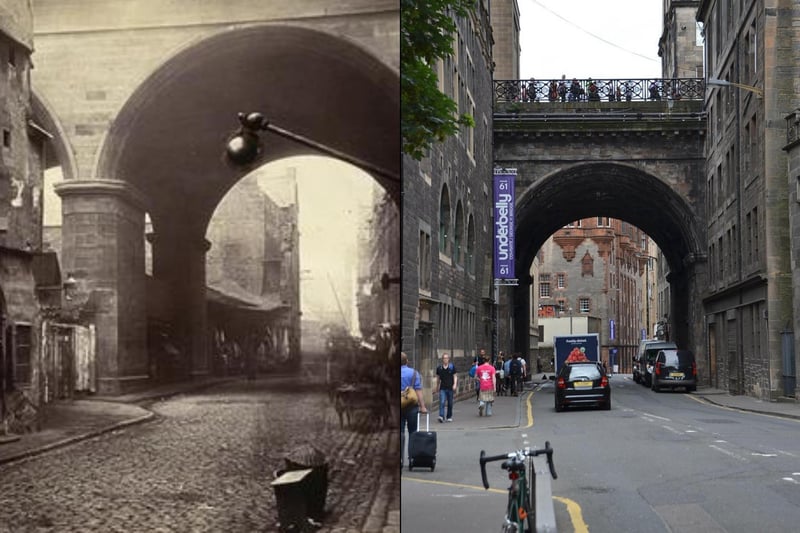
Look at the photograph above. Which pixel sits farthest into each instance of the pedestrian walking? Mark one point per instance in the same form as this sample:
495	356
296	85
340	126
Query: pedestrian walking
516	375
486	378
446	383
498	368
408	416
472	373
507	374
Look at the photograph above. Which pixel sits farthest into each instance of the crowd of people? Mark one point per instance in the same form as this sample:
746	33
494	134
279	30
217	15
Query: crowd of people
589	90
490	377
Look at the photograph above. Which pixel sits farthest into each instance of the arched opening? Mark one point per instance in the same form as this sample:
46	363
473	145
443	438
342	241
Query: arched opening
561	204
163	156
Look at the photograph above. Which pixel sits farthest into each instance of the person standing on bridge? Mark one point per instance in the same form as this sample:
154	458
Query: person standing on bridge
552	93
562	88
575	90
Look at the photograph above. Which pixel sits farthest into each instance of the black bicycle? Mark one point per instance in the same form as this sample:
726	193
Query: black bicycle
521	509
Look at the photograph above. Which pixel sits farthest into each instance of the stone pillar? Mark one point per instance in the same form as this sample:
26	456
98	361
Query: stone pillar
521	317
103	249
179	260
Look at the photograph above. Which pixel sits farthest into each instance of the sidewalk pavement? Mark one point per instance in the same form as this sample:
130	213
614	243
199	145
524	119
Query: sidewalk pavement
66	421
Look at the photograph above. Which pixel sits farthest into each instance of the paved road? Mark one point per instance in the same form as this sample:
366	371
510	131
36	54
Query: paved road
204	464
656	462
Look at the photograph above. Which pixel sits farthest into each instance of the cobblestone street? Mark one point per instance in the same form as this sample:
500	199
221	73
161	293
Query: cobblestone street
205	464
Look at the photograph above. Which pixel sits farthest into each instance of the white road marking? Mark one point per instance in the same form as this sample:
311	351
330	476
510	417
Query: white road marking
648	415
764	454
791	480
727	452
672	430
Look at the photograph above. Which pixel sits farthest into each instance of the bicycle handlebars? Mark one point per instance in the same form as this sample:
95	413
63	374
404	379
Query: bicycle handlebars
518	455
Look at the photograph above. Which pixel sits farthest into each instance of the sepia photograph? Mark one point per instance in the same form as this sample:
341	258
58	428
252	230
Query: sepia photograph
199	266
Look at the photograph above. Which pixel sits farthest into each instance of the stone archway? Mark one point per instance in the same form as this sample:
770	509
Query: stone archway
629	193
163	154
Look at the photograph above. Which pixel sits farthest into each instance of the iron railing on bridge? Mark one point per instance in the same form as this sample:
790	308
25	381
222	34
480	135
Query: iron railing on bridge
599	90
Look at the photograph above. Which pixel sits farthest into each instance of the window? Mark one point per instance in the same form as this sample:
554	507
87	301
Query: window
544	285
444	220
584	305
470	260
561	281
6	138
544	290
756	253
22	353
12	56
458	235
424	256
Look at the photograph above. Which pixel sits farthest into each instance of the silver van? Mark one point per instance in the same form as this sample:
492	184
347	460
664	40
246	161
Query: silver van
645	358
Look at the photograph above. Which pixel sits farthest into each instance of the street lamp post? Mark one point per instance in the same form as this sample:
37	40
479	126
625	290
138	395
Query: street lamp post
243	147
647	296
725	83
570	320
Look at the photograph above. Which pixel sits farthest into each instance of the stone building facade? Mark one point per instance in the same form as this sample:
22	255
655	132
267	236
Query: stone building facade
378	298
506	48
447	197
749	301
681	43
255	252
30	280
595	268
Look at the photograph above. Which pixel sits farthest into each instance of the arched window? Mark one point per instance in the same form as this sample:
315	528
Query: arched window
458	235
470	260
444	220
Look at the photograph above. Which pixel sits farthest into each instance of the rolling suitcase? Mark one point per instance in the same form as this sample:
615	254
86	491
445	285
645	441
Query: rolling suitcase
422	446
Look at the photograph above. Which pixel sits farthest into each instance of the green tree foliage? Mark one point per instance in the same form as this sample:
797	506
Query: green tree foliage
427	31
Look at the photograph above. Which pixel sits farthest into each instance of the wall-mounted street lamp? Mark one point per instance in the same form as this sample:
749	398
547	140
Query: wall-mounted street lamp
724	83
69	284
386	280
244	146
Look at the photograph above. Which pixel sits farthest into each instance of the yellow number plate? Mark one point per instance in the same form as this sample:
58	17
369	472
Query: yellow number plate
676	375
583	384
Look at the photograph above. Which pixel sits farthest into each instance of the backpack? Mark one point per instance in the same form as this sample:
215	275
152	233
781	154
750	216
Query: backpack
516	367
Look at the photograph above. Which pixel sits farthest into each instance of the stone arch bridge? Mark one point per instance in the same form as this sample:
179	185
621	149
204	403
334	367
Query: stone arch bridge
141	97
639	160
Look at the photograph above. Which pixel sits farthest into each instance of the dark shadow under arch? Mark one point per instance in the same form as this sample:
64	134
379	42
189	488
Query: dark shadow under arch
619	191
606	189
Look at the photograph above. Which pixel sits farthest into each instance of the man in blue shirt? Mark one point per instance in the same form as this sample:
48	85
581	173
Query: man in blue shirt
409	377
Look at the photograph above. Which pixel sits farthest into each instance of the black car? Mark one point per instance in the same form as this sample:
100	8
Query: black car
582	384
673	369
644	359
